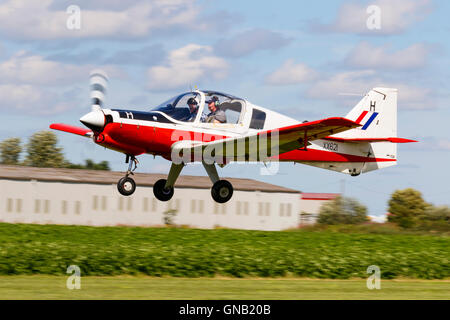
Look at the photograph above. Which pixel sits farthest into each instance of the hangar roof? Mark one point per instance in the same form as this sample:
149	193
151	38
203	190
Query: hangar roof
319	196
143	179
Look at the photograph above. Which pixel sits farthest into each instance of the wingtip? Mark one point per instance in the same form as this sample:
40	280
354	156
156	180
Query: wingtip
402	140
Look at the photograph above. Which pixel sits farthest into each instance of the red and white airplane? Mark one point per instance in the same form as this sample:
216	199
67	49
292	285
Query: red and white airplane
362	141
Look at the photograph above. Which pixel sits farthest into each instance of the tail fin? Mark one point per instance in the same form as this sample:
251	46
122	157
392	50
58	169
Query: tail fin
377	114
377	136
374	143
372	146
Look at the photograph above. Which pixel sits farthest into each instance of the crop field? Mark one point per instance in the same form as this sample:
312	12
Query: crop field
190	253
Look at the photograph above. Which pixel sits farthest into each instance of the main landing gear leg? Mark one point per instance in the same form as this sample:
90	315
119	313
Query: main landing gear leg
126	185
222	190
163	189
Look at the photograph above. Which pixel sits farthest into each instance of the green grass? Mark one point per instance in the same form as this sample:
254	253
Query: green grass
176	252
126	287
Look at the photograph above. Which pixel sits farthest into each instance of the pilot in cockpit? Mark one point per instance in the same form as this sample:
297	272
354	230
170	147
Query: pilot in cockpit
193	109
216	115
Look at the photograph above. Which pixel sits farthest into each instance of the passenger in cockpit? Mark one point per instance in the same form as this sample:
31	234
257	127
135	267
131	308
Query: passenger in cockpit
216	115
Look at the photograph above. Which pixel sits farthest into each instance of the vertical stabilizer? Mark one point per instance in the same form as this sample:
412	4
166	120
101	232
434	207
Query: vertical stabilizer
377	114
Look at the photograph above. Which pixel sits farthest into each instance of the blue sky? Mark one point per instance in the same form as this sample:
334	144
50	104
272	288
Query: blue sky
297	57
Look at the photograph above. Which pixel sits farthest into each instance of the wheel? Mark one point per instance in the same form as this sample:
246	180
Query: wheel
222	191
126	186
160	192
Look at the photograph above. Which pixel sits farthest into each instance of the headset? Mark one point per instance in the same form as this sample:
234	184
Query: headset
216	101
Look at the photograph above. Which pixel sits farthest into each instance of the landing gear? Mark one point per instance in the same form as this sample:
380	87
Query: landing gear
163	189
222	191
126	185
161	192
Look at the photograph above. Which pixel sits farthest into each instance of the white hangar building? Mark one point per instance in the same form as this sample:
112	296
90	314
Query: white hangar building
87	197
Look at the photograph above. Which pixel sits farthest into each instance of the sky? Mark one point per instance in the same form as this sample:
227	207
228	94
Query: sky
308	60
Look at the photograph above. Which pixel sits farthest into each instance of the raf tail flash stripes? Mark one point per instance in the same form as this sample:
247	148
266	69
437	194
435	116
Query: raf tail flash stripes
369	121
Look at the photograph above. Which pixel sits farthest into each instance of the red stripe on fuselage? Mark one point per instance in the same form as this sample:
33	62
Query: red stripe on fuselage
325	156
150	139
135	140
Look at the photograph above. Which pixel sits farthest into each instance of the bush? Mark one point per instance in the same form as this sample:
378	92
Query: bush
406	207
342	211
435	219
409	210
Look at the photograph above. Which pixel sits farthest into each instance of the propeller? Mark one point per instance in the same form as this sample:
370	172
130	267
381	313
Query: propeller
99	84
95	119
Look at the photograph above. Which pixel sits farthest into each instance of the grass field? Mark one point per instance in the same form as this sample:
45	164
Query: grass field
127	287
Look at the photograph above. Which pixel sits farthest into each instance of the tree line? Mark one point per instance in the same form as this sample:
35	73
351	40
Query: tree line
407	210
42	151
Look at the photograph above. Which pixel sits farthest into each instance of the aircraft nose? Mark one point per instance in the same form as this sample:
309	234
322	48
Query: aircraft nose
93	119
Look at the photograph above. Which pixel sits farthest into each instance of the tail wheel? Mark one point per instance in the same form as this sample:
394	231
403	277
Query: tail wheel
126	186
162	193
222	191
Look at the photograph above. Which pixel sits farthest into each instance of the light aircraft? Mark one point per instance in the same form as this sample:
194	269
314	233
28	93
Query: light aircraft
362	141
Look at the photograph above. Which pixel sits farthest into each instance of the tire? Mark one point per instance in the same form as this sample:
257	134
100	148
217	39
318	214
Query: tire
126	186
160	193
222	191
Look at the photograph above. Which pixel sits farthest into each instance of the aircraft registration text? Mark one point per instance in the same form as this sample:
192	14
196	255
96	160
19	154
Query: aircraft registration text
330	146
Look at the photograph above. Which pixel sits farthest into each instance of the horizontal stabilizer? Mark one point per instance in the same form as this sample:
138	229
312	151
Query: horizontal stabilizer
392	139
72	129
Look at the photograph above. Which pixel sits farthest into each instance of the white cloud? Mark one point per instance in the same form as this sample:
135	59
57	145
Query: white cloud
45	19
32	84
24	68
415	98
344	82
367	56
34	69
290	73
396	16
250	41
360	82
186	66
32	100
430	143
444	144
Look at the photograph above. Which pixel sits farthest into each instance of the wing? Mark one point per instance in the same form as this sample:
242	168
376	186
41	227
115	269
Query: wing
72	129
264	144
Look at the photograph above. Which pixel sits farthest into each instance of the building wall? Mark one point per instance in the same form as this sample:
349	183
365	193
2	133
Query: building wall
309	210
101	205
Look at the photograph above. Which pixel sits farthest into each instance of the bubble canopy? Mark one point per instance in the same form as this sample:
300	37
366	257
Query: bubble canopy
178	109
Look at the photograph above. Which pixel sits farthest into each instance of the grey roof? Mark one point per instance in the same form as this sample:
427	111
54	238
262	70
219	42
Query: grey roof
143	179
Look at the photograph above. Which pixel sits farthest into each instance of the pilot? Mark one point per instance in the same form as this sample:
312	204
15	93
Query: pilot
216	115
193	109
